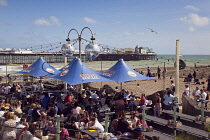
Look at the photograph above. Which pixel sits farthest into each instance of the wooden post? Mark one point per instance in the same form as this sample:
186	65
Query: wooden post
177	70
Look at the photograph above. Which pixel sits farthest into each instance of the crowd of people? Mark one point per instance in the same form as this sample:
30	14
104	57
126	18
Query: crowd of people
31	112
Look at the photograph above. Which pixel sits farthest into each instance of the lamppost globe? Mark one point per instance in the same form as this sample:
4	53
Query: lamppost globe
67	50
92	50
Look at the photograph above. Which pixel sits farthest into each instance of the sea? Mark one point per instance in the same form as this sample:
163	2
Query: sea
169	60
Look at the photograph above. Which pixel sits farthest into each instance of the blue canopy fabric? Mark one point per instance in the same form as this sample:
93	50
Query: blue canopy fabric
39	68
68	65
121	72
78	73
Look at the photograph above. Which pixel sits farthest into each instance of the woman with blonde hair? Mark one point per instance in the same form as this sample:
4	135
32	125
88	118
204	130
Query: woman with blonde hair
17	108
8	131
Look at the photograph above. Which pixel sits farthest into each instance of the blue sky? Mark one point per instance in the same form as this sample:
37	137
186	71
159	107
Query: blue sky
117	23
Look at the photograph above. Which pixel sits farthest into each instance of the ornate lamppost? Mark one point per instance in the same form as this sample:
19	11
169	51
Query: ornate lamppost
92	50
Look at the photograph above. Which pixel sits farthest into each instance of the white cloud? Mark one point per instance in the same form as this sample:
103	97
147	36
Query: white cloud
55	20
191	29
52	20
3	3
196	20
90	20
190	7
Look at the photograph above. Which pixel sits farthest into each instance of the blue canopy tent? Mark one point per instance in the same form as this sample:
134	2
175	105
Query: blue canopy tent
39	68
121	72
68	65
78	73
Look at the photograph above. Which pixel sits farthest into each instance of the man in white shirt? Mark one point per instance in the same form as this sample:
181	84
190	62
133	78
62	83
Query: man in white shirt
203	94
7	89
96	125
186	91
168	99
196	93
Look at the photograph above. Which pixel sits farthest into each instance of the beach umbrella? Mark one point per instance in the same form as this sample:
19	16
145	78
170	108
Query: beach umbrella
78	73
39	68
68	65
121	72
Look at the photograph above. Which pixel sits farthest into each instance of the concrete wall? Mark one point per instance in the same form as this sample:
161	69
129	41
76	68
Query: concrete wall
190	108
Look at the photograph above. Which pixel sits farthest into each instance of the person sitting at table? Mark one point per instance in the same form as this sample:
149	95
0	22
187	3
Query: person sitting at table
7	89
7	102
36	113
94	124
139	122
22	124
17	108
123	125
60	106
46	100
2	111
127	95
51	110
132	96
43	123
33	105
2	88
17	86
35	99
68	98
117	136
72	126
64	134
114	123
8	131
13	88
52	128
85	117
133	120
94	95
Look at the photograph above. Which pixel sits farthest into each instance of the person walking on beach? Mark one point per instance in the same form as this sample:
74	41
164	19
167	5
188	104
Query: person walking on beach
158	72
194	75
172	87
148	72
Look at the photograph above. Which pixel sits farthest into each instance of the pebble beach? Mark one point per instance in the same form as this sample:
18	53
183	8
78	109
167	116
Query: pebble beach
138	87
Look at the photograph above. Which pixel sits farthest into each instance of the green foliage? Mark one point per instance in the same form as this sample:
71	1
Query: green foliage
185	136
207	127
